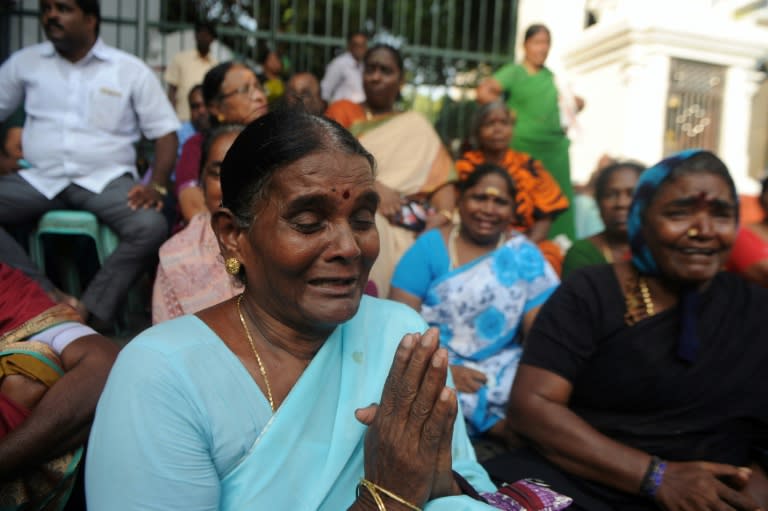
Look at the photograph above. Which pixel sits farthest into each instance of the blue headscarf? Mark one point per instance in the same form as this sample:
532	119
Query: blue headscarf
642	259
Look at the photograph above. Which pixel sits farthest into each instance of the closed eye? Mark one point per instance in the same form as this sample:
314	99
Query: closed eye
307	222
677	213
363	219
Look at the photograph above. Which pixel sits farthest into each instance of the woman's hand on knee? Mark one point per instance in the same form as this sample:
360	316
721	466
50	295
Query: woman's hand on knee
705	486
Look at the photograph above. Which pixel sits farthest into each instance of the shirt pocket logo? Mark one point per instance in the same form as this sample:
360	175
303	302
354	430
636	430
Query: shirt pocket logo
106	107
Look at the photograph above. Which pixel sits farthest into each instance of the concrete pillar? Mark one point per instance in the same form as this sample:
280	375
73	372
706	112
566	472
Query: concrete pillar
740	88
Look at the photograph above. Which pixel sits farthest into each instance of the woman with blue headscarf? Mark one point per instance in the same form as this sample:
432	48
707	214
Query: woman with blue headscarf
642	382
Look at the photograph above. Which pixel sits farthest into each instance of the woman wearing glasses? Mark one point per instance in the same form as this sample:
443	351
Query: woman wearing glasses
233	95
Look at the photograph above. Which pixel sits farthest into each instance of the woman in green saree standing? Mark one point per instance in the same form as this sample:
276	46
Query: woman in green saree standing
531	93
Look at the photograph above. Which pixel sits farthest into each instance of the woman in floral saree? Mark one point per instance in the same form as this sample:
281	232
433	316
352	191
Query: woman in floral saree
481	289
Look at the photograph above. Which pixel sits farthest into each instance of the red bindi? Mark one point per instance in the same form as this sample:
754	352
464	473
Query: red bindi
345	194
701	201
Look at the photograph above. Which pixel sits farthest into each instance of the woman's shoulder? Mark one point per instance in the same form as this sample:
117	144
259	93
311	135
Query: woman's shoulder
473	157
598	281
190	238
194	142
514	158
345	112
428	242
379	316
517	240
468	161
582	253
433	236
581	246
511	69
169	355
345	104
433	242
414	121
736	291
173	341
760	230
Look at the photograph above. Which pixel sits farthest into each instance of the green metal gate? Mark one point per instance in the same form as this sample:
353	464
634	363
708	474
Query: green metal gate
448	45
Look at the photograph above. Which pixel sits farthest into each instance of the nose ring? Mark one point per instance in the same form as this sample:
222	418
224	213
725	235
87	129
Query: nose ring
692	232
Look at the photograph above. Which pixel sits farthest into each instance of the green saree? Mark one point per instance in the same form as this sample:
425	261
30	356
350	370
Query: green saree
582	253
534	100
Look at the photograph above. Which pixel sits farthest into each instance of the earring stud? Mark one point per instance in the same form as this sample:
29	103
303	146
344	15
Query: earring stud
232	266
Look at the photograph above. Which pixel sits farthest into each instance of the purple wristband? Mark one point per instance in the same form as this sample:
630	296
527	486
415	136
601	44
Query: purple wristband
653	477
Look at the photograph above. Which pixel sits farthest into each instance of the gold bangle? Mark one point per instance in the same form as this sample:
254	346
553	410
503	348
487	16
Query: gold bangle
162	190
374	490
376	497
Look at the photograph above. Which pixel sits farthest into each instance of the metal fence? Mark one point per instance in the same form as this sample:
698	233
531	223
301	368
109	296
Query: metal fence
448	45
694	106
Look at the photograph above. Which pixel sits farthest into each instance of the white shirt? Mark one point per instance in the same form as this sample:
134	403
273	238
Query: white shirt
82	118
343	80
186	70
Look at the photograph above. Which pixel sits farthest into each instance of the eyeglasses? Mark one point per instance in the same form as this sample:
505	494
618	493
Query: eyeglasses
243	89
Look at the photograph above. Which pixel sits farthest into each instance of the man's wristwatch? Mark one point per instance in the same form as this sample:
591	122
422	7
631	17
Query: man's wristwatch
162	190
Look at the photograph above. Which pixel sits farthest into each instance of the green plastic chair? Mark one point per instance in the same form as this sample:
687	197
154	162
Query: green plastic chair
72	223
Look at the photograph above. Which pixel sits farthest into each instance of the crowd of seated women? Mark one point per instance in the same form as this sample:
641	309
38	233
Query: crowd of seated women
635	383
602	385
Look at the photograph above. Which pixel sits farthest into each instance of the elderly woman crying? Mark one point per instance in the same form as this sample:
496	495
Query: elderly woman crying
264	400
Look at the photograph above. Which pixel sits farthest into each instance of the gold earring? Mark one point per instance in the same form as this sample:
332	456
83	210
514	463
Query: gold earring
232	265
692	232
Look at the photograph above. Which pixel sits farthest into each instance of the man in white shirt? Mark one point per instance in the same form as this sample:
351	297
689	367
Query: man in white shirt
344	75
188	68
87	105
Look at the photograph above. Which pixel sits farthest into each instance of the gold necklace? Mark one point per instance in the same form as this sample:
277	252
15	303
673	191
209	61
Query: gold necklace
453	254
645	294
262	369
607	254
638	307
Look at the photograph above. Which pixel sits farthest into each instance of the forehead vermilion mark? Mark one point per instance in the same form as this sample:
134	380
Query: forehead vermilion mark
701	200
345	194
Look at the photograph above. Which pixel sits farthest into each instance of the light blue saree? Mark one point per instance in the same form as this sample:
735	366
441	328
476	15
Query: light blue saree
182	425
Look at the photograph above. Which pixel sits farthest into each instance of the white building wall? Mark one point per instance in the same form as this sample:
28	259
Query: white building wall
620	66
740	89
